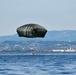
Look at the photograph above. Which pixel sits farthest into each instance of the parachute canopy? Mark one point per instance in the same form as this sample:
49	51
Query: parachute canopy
31	31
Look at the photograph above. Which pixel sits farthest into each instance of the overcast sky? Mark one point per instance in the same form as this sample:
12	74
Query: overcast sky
52	14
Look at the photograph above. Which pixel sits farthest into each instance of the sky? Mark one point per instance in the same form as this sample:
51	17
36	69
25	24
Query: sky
52	14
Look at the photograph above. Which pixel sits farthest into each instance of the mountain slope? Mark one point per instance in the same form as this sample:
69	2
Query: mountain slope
64	35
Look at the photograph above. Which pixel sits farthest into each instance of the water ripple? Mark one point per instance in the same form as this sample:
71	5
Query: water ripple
37	65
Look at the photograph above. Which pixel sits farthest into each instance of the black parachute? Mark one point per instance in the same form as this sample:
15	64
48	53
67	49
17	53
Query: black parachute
31	31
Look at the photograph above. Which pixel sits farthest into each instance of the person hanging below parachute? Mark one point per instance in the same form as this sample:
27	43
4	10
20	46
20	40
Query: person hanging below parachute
31	31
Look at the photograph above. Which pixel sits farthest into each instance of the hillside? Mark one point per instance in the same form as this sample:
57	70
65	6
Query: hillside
64	35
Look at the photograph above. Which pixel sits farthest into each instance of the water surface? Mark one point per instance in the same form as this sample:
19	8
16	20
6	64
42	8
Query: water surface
37	64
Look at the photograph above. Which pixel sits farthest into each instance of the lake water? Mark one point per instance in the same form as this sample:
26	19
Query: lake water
62	64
